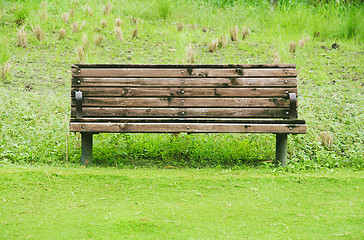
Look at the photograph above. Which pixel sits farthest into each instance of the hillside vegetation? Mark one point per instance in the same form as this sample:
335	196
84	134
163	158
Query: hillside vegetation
40	41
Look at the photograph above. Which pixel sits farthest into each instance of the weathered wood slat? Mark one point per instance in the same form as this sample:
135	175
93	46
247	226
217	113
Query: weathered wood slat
191	120
185	102
185	82
184	112
184	72
187	127
184	92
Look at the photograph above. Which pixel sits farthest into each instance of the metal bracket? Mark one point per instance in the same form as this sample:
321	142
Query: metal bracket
292	105
78	96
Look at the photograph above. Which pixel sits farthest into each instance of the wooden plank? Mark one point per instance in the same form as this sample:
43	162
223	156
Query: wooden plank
108	65
185	102
187	127
184	72
184	82
191	120
184	92
184	112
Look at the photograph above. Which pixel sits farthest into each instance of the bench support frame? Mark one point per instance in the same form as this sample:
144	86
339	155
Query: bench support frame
281	149
86	148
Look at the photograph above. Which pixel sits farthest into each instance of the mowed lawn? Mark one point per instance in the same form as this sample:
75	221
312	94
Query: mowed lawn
42	202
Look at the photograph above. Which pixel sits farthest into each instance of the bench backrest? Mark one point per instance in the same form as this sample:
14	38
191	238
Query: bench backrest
184	91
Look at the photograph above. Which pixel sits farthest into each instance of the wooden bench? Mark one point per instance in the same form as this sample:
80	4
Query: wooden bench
110	98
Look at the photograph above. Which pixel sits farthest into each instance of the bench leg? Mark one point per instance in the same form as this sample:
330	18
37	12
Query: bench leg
86	148
281	149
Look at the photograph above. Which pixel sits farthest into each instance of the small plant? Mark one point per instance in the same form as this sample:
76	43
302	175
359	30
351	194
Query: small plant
246	32
72	12
107	8
43	4
179	27
118	33
38	32
80	55
75	27
303	41
98	39
62	33
276	57
22	38
222	42
118	22
104	23
190	54
85	42
4	58
134	20
292	47
192	26
43	15
164	8
135	33
88	11
212	46
234	34
65	17
326	139
20	14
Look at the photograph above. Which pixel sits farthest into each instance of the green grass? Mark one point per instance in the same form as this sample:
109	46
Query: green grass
93	203
35	97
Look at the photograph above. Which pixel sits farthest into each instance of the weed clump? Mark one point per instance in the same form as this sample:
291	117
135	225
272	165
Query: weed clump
303	41
43	15
234	34
98	40
104	23
179	27
75	27
245	32
276	57
135	33
292	47
4	58
80	55
212	46
134	20
65	17
192	26
62	33
118	33
118	22
88	11
190	54
107	8
22	38
38	32
85	42
222	42
326	139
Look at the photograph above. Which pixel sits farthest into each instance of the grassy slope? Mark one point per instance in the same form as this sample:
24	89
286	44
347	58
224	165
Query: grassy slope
65	203
35	98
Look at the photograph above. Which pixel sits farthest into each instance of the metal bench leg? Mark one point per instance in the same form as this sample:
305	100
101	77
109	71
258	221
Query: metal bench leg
86	148
281	149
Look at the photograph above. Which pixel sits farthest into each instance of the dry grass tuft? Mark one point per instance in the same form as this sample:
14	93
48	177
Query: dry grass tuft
22	38
72	12
192	26
223	41
98	40
118	33
80	55
276	57
134	20
83	24
38	32
212	46
234	33
135	33
43	15
85	42
326	139
75	27
292	47
5	70
246	32
43	4
62	33
118	22
65	17
88	11
104	23
107	8
303	41
179	27
190	54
